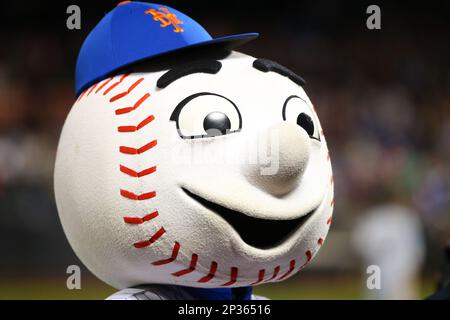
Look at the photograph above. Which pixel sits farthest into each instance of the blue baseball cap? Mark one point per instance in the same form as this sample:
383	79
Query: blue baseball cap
135	31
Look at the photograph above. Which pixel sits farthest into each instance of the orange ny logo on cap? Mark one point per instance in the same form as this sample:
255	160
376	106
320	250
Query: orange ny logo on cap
166	18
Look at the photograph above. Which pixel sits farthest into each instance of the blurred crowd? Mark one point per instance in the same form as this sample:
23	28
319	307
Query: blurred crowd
383	98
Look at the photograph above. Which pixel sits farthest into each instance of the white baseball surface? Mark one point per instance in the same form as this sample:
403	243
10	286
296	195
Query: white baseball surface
122	170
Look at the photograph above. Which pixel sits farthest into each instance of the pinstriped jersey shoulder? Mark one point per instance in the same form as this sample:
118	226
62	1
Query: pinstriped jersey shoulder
153	292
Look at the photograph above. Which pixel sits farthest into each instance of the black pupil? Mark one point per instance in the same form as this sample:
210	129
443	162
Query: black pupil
216	123
305	121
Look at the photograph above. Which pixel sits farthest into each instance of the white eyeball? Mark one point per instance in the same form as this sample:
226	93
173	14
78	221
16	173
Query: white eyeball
204	115
297	110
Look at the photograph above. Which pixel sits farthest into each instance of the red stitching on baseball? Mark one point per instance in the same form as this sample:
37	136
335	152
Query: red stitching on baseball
275	273
123	94
134	107
141	124
131	150
332	179
92	89
211	273
139	220
133	196
191	267
233	277
261	274
175	250
137	174
103	84
81	95
146	243
332	202
308	259
291	268
330	219
115	84
320	241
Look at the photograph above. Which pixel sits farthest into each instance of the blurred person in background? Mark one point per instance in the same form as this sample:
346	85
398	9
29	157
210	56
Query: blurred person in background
389	235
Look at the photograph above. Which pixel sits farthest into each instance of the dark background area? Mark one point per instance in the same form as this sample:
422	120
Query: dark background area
383	97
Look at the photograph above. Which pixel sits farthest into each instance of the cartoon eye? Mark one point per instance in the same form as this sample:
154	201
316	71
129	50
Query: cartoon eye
205	115
295	109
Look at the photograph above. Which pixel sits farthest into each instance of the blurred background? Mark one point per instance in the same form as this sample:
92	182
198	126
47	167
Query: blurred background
383	97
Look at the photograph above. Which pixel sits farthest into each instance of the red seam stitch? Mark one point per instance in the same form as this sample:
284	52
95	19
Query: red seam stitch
115	84
139	220
332	202
137	174
233	277
330	219
140	125
134	107
275	273
153	238
133	196
211	274
103	84
81	95
291	268
126	128
175	250
131	150
92	89
320	241
123	94
332	179
191	267
308	259
261	274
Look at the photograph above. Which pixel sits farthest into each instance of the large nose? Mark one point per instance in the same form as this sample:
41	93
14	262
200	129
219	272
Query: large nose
283	155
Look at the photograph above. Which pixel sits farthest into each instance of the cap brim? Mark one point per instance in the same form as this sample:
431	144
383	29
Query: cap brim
227	42
230	42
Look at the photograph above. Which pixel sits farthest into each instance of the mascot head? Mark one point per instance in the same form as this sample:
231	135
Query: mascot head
198	166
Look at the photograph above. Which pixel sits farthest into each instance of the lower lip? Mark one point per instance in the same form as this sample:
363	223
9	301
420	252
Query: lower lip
257	235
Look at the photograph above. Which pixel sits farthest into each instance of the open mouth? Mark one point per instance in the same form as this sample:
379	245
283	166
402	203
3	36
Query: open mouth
256	232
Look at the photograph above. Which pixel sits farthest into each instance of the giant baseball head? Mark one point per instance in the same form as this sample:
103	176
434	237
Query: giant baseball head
203	170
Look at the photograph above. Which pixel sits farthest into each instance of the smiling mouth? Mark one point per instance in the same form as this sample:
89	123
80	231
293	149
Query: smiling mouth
256	232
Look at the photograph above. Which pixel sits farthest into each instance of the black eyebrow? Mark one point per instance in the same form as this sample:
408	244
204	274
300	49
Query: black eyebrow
266	65
202	66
